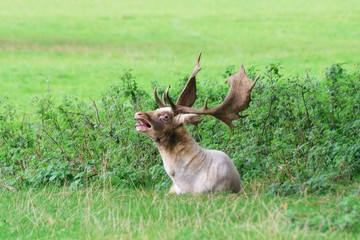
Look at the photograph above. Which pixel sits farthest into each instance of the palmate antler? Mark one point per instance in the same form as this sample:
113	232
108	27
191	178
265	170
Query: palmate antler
188	94
237	100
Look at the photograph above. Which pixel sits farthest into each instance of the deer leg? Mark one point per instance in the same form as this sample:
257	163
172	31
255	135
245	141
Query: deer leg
172	189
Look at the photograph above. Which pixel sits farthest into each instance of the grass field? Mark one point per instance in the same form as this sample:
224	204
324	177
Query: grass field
112	213
81	47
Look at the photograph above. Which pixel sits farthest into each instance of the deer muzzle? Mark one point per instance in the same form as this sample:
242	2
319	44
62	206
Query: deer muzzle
143	124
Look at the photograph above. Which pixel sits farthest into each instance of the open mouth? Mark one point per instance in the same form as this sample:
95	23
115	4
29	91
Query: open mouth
142	125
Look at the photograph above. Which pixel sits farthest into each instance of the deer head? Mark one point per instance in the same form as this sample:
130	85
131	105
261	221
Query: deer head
163	121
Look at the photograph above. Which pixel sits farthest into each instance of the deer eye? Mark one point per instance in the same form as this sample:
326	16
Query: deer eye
164	118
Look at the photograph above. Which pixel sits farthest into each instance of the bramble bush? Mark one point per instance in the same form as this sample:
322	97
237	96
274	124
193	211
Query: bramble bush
301	135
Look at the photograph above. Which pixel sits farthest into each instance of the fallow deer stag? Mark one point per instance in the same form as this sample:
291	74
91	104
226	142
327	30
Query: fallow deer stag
191	168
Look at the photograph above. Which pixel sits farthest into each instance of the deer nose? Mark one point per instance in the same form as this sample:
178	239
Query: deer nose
138	114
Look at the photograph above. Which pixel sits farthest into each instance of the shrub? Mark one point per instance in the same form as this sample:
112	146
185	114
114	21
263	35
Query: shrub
302	134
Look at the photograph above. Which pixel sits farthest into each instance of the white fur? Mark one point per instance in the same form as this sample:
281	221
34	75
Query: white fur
197	170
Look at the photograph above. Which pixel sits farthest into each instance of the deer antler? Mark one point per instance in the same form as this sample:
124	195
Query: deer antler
188	95
161	103
237	100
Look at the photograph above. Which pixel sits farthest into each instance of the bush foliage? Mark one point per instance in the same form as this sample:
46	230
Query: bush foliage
302	134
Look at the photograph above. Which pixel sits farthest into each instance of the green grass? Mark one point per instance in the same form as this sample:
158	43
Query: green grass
113	213
81	47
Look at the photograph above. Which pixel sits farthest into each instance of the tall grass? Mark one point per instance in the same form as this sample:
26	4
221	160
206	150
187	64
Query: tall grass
107	213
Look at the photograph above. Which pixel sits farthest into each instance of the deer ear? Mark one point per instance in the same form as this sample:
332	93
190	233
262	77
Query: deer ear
182	119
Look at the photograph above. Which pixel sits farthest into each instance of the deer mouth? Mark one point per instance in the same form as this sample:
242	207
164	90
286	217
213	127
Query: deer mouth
143	125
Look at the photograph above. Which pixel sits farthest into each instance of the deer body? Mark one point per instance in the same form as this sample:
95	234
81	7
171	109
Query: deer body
194	169
190	167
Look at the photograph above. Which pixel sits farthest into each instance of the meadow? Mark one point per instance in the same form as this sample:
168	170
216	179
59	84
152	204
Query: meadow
107	212
73	73
80	47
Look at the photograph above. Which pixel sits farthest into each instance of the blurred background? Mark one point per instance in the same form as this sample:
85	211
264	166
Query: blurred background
80	47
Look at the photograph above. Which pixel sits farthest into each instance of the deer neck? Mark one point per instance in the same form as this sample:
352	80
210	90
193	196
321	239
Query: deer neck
178	145
170	142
